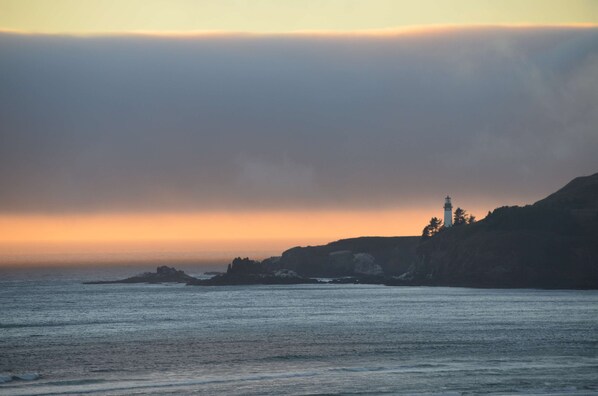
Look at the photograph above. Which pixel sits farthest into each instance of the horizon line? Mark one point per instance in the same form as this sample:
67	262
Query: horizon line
407	30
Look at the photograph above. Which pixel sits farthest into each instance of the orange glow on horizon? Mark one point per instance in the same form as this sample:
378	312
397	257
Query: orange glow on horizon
208	226
27	240
113	238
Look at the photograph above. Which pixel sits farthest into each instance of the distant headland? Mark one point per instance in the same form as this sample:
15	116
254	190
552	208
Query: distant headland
550	244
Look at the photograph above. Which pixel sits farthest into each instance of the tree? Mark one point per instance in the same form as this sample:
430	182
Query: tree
432	228
426	232
460	217
435	225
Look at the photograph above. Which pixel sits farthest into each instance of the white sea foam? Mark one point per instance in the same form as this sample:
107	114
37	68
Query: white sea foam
27	376
4	378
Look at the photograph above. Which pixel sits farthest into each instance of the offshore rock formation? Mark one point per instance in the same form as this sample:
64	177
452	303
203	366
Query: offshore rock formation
163	274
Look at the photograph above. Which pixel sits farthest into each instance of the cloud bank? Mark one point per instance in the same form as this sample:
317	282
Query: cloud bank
127	123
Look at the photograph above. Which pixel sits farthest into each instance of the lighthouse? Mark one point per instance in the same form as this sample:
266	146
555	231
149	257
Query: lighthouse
448	212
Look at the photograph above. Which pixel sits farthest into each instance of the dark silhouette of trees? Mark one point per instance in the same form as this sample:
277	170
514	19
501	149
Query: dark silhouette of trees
426	232
459	217
435	225
432	228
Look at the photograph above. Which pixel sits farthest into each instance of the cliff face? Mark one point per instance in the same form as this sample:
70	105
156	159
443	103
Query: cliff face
373	256
551	244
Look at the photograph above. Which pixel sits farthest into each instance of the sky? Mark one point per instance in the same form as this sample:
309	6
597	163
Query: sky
274	16
229	127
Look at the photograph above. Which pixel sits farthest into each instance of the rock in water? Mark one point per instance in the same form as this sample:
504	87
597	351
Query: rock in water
163	274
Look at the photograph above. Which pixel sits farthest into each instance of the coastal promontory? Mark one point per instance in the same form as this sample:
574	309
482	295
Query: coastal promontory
550	244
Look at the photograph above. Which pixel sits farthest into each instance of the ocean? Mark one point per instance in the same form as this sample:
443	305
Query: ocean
59	336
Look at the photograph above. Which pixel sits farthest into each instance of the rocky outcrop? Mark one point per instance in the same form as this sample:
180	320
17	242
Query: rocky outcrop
243	271
163	274
365	256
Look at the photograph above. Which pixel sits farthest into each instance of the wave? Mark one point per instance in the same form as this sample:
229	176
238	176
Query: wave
4	378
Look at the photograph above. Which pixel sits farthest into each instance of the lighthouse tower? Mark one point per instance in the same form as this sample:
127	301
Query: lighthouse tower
448	212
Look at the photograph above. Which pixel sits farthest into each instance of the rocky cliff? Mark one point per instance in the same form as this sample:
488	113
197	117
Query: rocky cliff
550	244
365	256
243	271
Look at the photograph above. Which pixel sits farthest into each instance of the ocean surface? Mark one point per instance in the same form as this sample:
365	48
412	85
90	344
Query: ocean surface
58	336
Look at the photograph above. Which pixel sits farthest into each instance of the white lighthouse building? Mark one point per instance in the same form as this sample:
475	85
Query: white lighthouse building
448	212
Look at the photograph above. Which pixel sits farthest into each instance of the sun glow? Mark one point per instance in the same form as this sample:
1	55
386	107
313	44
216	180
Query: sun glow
208	226
268	16
75	239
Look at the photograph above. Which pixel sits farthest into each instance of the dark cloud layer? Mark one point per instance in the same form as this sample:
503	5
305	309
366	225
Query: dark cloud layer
150	123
